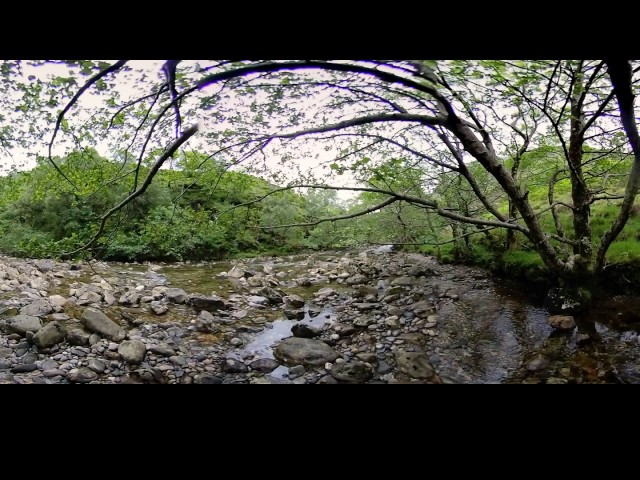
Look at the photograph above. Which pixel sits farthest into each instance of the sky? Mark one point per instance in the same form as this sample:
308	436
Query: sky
23	159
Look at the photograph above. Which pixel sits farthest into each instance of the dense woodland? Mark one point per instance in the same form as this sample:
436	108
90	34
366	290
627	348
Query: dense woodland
531	167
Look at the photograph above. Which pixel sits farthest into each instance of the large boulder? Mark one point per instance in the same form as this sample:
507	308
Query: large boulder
39	308
176	295
98	322
52	333
304	351
21	324
132	351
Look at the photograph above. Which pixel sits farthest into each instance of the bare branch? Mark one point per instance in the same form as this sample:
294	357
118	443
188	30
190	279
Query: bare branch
116	66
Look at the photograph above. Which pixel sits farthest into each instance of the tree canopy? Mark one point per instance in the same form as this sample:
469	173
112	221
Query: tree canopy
515	146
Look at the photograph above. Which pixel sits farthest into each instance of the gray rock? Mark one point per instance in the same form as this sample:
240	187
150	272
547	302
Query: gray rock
30	357
304	331
325	293
364	321
82	375
294	301
304	351
39	308
356	279
132	297
327	379
49	365
414	364
24	368
132	351
271	294
158	308
96	365
78	337
236	342
21	324
561	323
45	265
52	333
210	304
4	365
383	367
208	379
355	372
178	360
109	299
94	338
294	314
57	301
231	365
177	295
296	371
403	281
240	314
258	300
235	272
264	365
164	350
96	321
5	352
53	373
537	362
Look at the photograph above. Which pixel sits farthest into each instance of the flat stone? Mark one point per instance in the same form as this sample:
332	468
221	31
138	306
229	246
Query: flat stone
96	321
21	324
49	335
304	351
414	364
264	365
82	375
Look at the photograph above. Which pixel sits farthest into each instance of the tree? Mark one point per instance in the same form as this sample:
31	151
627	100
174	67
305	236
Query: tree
438	116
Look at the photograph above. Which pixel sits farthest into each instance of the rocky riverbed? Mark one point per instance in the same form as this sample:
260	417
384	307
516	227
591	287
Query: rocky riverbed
370	316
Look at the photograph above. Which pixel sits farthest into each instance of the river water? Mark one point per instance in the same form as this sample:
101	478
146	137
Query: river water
492	331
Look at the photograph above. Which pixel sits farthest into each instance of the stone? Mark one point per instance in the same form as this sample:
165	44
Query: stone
132	351
240	314
132	297
109	299
304	351
264	365
537	362
53	373
562	323
52	333
294	301
98	322
21	324
209	304
178	360
45	265
325	293
355	372
258	300
82	375
271	294
24	368
356	279
176	295
208	379
235	272
78	337
49	364
364	321
364	306
291	314
231	365
96	365
164	350
403	281
304	331
327	379
296	371
236	342
39	308
414	364
57	301
158	308
392	321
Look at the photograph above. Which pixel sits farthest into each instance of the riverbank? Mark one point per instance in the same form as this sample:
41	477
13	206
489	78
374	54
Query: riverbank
357	317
